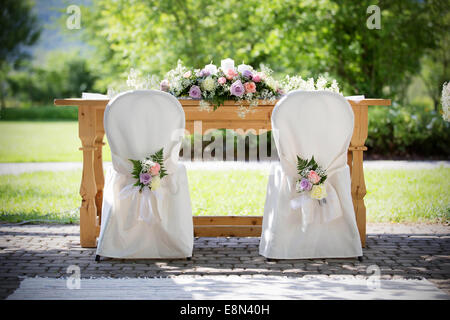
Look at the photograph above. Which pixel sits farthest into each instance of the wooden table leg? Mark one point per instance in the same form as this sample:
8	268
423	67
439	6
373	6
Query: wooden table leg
357	171
88	189
98	162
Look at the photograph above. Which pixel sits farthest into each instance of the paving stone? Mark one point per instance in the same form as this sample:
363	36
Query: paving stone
400	251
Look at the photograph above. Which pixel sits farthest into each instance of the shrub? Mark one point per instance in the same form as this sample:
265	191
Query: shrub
408	130
40	113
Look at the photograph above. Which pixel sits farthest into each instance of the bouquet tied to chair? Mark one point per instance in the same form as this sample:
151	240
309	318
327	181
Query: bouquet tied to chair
149	171
312	180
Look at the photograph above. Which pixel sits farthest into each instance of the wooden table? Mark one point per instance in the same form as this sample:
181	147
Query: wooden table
91	133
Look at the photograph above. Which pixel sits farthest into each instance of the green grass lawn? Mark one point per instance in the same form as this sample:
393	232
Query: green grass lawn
393	195
40	141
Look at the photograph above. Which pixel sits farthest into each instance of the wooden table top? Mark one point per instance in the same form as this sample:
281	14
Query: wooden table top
192	102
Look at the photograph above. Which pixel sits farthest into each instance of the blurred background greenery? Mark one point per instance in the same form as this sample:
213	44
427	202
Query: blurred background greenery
407	60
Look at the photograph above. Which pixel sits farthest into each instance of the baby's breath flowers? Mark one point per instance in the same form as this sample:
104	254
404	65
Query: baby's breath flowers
214	85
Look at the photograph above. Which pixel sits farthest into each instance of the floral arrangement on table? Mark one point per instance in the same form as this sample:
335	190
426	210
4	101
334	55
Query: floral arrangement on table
149	172
214	85
445	100
312	179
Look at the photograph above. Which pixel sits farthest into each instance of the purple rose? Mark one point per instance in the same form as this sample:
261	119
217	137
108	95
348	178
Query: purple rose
237	89
195	92
305	184
203	73
164	85
247	73
145	178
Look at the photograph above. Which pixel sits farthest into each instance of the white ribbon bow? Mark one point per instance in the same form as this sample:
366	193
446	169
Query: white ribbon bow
148	202
315	211
311	210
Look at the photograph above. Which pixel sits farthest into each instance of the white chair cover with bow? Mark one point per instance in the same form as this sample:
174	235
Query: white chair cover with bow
319	124
147	224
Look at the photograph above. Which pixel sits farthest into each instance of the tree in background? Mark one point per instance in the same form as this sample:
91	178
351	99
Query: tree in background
301	37
61	75
436	61
379	62
153	34
18	28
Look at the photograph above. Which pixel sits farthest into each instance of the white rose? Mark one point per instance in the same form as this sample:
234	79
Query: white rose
318	192
156	183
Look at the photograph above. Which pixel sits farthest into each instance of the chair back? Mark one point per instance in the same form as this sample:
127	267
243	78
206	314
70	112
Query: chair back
141	122
313	123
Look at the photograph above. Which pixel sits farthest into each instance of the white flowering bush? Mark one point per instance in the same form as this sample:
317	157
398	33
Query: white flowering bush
445	100
298	83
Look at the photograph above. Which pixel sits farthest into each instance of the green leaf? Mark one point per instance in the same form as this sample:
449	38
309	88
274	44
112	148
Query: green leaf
301	164
159	158
137	168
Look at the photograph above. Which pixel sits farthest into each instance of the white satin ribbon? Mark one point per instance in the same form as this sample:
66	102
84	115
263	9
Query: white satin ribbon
148	202
310	209
313	211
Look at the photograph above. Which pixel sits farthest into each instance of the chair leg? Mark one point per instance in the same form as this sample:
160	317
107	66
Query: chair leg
360	258
188	258
97	258
271	260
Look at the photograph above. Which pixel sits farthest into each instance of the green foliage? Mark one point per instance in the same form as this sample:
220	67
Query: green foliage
301	37
40	113
409	130
378	62
311	164
137	169
436	62
159	158
62	75
18	29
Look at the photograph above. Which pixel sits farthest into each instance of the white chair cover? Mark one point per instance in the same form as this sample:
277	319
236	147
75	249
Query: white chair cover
319	124
151	224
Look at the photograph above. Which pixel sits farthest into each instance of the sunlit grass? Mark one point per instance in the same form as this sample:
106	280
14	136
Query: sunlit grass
40	141
408	195
393	195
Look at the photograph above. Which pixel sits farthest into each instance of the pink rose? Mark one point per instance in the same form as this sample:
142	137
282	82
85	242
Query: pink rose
231	74
154	170
187	74
313	177
250	87
222	80
256	78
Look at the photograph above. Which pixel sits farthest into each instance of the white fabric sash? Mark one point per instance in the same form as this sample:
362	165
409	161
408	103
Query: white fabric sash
311	210
149	203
